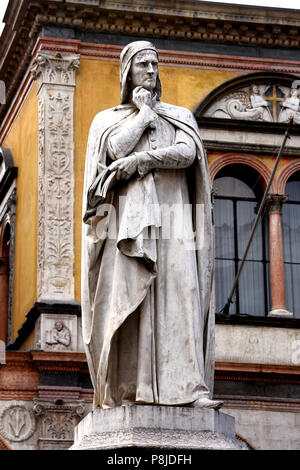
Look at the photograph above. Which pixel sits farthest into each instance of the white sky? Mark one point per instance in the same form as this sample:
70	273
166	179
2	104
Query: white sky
3	5
294	4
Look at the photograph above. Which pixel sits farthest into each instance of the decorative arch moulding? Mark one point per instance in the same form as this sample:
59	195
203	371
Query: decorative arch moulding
243	159
286	172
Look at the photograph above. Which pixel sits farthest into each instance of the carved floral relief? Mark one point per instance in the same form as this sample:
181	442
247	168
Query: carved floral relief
55	75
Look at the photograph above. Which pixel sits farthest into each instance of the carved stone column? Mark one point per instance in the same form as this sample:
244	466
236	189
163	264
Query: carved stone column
55	75
277	277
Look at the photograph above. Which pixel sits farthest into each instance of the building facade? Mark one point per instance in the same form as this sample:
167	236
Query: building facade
238	69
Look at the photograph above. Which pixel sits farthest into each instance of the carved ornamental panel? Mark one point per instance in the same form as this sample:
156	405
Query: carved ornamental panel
57	332
55	76
268	102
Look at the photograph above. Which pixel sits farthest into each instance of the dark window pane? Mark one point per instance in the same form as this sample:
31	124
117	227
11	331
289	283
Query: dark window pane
224	277
245	220
292	190
252	289
291	232
235	212
224	229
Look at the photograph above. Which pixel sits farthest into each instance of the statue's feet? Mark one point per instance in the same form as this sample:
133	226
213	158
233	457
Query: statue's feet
206	403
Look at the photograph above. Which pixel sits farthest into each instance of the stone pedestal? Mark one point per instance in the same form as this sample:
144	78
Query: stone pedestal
156	427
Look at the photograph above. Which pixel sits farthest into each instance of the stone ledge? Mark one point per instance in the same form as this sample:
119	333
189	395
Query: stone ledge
163	427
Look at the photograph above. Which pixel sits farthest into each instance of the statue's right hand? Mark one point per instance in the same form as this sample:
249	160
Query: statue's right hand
141	97
124	167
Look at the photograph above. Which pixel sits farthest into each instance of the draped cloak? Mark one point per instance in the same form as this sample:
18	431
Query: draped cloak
105	309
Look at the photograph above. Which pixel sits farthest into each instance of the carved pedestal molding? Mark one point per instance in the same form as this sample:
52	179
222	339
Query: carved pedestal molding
277	277
55	75
156	428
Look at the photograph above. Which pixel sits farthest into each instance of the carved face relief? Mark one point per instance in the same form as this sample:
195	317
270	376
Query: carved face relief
144	70
59	325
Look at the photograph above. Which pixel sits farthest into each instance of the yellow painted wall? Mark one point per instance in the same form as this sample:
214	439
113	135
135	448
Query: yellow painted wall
98	88
188	86
23	142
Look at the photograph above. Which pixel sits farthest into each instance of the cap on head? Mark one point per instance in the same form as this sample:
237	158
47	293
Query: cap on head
126	57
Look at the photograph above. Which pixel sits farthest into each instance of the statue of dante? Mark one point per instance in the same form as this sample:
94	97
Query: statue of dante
147	300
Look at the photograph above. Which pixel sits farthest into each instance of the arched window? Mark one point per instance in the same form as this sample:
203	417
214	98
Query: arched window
291	243
237	195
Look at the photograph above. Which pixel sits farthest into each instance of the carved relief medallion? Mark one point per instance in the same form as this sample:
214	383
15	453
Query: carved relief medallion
17	423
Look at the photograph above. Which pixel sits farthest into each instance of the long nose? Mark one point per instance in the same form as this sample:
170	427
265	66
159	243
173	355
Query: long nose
150	68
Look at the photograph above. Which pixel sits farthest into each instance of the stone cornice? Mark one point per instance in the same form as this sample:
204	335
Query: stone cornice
109	52
168	57
189	20
19	377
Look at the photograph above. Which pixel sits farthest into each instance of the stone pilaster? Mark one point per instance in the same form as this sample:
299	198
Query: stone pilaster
56	422
55	75
277	277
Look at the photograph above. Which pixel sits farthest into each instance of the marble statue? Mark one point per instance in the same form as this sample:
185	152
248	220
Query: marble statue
290	107
147	297
258	103
249	106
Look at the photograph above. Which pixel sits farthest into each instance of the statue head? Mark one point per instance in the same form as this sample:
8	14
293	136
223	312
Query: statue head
131	72
254	89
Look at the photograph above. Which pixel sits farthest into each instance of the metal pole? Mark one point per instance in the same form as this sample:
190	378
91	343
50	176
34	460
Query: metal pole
225	309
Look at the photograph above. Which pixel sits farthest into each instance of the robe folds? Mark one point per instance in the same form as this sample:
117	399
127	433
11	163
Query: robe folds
147	303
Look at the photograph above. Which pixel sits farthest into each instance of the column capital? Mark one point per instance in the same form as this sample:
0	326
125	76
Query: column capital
55	69
275	201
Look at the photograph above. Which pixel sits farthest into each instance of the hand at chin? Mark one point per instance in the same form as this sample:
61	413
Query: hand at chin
141	97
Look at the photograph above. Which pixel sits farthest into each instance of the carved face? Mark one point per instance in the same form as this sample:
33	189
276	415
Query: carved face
59	325
144	70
